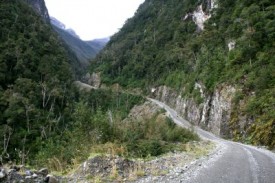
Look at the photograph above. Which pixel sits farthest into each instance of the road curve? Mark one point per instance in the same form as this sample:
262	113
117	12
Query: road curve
236	163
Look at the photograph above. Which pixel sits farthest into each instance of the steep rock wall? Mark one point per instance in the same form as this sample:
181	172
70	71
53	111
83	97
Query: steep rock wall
212	114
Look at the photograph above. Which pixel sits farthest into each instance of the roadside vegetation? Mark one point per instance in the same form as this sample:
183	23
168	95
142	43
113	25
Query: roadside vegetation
45	121
98	127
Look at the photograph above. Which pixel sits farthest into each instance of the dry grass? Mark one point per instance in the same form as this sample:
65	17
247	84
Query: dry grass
55	164
110	148
136	172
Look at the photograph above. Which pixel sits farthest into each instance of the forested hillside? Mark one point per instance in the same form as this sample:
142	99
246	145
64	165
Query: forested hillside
163	44
44	120
35	81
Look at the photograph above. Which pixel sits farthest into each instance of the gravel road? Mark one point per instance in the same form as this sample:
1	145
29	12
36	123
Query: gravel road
232	163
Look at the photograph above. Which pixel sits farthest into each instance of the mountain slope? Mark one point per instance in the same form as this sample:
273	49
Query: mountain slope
98	44
83	50
40	7
43	117
205	51
35	82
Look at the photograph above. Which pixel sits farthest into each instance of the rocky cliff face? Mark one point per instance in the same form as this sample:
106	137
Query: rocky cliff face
40	7
202	13
213	114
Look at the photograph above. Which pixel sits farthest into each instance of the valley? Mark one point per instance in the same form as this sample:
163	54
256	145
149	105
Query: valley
183	92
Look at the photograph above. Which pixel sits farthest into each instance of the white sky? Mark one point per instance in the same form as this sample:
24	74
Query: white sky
92	19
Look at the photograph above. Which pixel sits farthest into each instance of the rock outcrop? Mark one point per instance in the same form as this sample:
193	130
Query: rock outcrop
40	7
213	113
202	13
93	79
22	174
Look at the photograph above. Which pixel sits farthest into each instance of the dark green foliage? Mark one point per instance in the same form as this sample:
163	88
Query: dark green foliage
35	80
145	148
114	101
138	54
99	120
43	120
153	137
157	46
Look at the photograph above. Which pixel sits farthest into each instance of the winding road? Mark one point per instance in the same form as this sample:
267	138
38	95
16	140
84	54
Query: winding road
236	162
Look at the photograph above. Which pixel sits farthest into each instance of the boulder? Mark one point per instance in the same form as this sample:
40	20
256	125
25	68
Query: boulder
43	171
3	173
50	179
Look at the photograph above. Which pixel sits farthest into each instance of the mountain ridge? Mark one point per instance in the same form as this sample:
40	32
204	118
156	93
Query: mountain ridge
40	7
84	50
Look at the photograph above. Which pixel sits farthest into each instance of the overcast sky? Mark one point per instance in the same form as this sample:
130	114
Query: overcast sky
93	18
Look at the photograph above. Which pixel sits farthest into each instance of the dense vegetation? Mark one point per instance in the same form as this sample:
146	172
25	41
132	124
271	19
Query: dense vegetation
35	79
158	46
44	120
98	127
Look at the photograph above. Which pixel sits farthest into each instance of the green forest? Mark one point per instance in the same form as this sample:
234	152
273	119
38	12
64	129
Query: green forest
45	121
158	46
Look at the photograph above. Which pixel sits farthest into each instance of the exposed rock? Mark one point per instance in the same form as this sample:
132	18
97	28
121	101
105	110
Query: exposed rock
3	173
199	17
186	107
213	113
104	166
220	110
34	176
43	171
16	168
170	165
231	45
57	23
202	13
51	179
28	173
93	79
144	111
40	7
15	174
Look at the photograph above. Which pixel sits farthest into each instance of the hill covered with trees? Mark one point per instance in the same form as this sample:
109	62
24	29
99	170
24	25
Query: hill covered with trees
214	43
46	121
35	81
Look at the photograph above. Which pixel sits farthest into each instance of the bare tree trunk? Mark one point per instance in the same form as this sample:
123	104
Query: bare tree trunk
27	108
110	117
7	136
24	154
45	95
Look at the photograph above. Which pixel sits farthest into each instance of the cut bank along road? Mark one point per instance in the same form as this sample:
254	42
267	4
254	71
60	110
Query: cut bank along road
236	162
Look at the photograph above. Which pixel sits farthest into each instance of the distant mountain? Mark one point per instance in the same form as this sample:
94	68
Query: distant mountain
57	23
98	43
83	50
60	25
73	33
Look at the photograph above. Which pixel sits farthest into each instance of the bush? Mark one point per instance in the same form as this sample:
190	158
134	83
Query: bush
145	148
